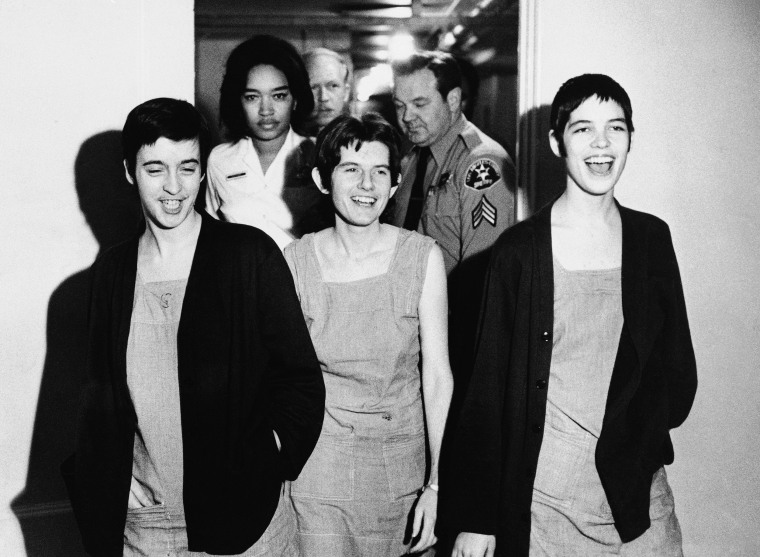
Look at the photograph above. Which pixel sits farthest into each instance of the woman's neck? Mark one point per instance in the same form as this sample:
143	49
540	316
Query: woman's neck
586	232
267	150
580	209
167	254
357	242
347	253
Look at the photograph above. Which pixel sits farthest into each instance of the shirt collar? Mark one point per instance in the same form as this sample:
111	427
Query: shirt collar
440	148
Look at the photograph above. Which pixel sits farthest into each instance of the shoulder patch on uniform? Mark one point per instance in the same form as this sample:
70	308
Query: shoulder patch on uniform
484	211
481	174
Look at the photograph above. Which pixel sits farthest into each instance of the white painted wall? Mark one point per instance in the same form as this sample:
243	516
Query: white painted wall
68	71
692	70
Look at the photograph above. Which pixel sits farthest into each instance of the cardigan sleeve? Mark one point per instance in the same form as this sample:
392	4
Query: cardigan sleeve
678	358
297	390
477	449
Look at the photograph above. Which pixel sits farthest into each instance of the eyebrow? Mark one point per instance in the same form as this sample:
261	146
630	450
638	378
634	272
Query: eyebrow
275	90
590	122
186	161
353	163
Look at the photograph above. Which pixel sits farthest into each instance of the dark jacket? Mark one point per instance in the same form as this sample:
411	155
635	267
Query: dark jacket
246	367
653	383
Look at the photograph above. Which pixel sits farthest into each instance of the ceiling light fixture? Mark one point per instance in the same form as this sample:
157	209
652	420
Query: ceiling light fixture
401	46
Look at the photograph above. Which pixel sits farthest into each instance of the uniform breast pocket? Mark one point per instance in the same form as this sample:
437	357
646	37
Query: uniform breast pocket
441	198
236	175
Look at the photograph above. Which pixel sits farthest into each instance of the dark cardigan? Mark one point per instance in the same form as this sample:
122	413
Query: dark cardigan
246	367
654	381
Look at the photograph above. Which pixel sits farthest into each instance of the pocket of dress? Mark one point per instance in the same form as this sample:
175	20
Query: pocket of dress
560	463
405	465
329	472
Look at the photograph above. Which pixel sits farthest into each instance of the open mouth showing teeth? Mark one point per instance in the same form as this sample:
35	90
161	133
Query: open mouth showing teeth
171	204
365	201
600	165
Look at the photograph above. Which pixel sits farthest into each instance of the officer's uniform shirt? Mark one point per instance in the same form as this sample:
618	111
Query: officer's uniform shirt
283	202
469	192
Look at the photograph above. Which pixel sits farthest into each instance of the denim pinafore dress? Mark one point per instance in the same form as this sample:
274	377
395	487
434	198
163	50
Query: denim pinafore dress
355	494
570	515
153	381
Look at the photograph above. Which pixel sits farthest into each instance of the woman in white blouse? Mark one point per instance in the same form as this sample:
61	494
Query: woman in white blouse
261	177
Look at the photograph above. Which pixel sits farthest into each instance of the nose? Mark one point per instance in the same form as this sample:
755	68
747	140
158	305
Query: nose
407	114
172	184
322	93
366	181
266	107
601	139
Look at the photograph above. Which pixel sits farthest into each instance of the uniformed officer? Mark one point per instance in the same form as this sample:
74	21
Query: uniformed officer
468	187
457	186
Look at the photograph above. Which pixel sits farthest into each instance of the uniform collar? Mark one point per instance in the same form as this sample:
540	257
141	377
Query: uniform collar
292	140
440	149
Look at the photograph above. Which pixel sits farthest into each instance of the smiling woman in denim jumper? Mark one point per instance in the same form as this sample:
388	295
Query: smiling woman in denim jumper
584	364
202	392
374	299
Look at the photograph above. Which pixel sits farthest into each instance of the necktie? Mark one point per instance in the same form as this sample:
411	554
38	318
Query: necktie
417	199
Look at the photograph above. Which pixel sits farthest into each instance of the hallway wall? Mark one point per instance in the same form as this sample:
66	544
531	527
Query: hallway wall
70	73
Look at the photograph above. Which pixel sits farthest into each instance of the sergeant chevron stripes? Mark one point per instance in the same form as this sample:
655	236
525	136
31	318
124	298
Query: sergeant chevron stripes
484	211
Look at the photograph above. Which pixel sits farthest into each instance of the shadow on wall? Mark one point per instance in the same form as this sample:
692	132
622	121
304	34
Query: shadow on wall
216	138
546	170
112	210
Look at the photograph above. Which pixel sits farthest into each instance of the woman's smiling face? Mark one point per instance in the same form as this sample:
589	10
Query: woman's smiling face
597	141
168	176
361	183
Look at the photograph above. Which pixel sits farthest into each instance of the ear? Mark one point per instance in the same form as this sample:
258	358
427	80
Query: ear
630	141
318	180
130	179
454	100
554	144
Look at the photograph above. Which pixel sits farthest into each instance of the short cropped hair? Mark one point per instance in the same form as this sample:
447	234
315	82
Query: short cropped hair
578	89
344	61
348	130
261	50
443	65
163	117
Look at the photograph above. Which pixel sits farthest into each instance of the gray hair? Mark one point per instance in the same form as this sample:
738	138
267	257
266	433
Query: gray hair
344	61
